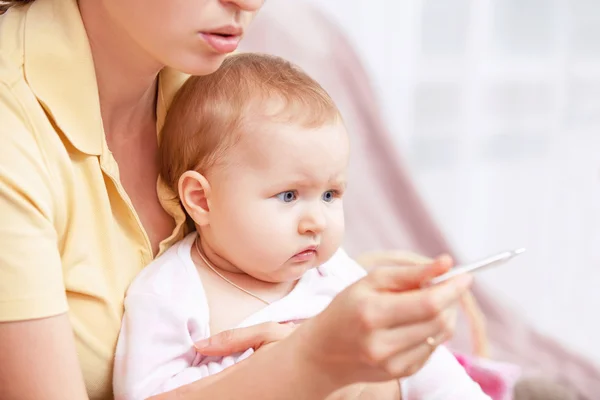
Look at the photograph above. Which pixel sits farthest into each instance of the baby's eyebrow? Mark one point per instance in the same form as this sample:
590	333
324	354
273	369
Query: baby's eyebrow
308	182
339	181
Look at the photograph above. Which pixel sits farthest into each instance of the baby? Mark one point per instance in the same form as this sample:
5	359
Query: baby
257	153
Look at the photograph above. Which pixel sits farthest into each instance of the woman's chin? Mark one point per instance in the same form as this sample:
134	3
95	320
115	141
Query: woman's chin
204	64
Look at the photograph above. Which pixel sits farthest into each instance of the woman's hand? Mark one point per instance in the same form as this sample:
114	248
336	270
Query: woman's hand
371	260
384	326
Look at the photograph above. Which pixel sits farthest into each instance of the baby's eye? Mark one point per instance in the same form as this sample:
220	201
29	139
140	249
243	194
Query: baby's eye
329	196
287	197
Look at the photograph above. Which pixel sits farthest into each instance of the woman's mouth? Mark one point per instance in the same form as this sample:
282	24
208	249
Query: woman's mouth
221	43
223	40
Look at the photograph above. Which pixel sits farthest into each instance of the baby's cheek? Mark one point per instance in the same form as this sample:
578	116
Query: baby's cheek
336	229
273	235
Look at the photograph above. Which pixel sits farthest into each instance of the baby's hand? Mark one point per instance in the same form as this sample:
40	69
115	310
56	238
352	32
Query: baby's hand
369	391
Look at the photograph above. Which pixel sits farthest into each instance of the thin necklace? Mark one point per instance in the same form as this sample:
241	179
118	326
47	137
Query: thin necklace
209	265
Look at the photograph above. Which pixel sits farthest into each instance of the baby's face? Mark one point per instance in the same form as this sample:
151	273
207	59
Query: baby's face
276	209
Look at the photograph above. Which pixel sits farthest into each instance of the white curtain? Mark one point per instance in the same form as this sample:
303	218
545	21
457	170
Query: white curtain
496	107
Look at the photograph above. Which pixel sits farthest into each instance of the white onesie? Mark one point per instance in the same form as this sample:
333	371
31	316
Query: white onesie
166	312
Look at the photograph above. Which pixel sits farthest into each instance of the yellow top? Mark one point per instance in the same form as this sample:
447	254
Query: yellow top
70	239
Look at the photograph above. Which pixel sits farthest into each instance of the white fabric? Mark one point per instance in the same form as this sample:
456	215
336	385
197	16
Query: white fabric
166	312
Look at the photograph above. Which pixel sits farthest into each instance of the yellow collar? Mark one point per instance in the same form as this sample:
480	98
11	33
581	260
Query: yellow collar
59	69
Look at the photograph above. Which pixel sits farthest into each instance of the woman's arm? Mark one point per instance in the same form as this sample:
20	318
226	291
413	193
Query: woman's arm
273	373
369	391
39	360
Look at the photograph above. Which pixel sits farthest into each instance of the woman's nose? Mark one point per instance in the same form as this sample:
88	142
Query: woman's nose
246	5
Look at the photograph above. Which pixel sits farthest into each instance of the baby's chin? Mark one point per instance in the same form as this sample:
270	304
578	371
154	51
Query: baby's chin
290	272
298	272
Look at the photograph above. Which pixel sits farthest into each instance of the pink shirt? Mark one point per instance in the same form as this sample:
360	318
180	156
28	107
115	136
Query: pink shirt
166	312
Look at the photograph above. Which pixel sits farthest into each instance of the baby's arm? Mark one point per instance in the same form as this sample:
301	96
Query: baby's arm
155	352
441	378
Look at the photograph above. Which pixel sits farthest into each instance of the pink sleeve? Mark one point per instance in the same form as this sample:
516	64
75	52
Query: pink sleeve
442	378
155	351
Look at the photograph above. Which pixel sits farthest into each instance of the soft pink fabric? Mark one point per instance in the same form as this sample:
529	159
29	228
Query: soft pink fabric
383	209
495	378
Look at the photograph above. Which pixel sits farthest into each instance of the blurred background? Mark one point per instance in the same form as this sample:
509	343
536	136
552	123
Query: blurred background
475	128
495	108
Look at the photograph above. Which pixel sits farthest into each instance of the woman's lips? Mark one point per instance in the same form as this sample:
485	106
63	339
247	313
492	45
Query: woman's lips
221	43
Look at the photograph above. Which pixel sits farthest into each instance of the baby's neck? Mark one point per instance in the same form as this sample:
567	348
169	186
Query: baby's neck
233	278
208	255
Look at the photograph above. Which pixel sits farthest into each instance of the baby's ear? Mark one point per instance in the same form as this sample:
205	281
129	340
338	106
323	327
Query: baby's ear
194	192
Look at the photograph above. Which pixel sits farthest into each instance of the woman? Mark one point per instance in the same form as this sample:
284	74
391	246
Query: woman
84	87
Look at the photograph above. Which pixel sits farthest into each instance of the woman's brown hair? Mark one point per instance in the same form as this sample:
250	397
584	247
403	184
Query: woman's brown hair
6	4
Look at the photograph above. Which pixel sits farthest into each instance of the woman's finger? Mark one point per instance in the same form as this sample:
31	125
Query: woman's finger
400	278
393	257
388	310
241	339
389	342
409	362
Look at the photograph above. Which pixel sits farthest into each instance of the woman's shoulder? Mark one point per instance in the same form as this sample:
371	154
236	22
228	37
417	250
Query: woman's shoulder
12	74
12	47
33	158
25	163
20	111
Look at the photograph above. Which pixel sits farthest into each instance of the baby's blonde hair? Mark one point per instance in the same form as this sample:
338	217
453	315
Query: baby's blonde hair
211	113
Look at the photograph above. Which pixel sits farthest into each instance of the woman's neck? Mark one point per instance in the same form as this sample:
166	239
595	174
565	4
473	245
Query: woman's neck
126	75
